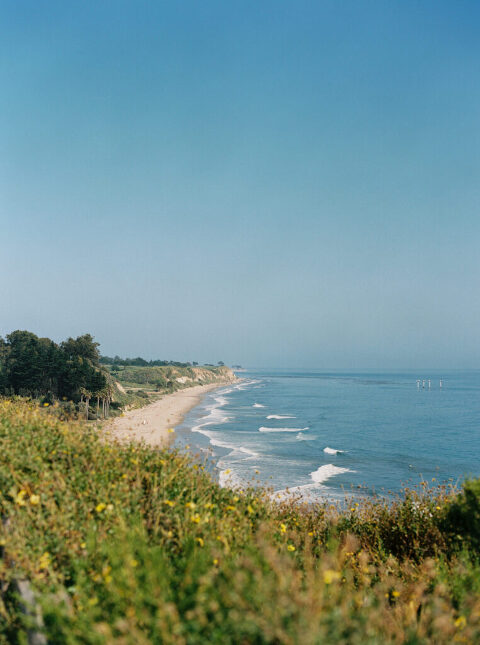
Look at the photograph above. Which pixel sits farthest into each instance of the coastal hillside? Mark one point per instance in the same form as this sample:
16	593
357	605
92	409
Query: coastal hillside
81	382
105	543
135	386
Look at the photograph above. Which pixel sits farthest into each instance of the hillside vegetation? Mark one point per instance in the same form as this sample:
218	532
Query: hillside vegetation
127	545
75	376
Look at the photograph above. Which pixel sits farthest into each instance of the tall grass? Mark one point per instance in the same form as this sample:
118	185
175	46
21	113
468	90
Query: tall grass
127	545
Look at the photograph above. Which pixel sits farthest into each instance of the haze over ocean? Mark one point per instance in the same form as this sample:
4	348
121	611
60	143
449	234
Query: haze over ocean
287	184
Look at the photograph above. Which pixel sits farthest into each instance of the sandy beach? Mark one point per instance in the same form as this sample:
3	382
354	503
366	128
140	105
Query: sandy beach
152	423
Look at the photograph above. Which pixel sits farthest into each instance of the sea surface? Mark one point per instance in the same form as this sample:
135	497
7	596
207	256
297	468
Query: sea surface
325	434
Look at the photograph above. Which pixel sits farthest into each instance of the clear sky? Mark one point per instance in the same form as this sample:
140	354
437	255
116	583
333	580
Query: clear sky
270	183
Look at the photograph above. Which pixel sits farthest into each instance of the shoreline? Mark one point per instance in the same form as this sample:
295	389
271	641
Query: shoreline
153	423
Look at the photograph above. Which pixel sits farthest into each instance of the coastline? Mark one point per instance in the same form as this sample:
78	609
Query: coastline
152	423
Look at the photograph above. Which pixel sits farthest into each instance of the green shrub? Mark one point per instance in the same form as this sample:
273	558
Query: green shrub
462	517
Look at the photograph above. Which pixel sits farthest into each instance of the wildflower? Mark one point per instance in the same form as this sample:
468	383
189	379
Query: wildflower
44	560
460	622
290	547
230	508
45	405
209	505
330	576
171	430
196	519
215	561
190	504
439	508
20	498
227	472
283	528
250	509
83	545
34	500
395	593
133	562
100	507
169	502
310	533
200	541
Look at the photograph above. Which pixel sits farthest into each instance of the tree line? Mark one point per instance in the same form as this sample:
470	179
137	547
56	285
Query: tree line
141	362
40	368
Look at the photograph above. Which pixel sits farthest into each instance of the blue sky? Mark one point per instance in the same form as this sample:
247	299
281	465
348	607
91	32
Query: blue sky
270	183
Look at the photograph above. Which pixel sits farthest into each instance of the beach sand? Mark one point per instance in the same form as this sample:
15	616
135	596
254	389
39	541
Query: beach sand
152	423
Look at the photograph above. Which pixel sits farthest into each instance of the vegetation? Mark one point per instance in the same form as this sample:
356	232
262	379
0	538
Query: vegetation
39	368
123	544
74	374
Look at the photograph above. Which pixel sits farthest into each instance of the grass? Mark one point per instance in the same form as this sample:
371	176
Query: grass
127	545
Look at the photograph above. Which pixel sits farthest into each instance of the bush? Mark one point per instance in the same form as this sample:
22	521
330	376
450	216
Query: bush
462	518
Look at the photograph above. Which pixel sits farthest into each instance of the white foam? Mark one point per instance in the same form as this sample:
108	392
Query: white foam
332	451
229	479
279	416
325	472
301	437
257	405
264	429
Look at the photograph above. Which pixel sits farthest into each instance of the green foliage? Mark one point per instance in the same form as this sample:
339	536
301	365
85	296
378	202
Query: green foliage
38	367
462	519
128	545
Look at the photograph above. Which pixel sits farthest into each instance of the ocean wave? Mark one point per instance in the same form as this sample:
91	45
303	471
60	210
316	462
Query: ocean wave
279	416
301	437
332	451
257	405
264	429
325	472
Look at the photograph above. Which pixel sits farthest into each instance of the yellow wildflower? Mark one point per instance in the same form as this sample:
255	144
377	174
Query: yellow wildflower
227	472
200	541
44	560
169	503
100	507
215	561
190	504
330	576
196	519
34	500
250	509
83	545
20	498
283	528
460	622
290	547
45	405
395	593
171	430
230	508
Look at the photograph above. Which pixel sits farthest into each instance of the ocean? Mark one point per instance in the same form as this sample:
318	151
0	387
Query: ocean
327	434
